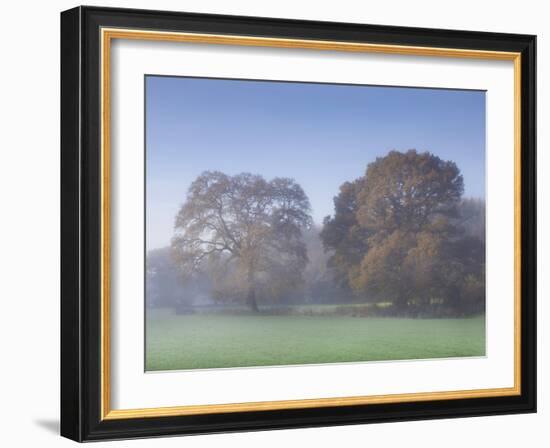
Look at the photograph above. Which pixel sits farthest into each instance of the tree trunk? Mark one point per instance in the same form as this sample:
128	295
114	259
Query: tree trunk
251	295
251	299
400	304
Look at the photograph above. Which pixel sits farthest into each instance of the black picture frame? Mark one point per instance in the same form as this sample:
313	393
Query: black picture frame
81	224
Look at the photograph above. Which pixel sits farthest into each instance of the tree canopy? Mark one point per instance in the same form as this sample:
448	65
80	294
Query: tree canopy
247	229
397	235
406	191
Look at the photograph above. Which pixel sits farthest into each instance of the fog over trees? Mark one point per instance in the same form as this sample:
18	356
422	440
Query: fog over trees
247	230
401	234
402	239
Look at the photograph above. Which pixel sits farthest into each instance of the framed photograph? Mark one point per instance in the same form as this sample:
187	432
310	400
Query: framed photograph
273	223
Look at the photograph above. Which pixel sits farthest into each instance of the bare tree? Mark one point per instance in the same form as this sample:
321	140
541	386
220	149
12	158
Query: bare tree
245	220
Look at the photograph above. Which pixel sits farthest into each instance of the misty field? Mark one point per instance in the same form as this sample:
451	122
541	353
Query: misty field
201	341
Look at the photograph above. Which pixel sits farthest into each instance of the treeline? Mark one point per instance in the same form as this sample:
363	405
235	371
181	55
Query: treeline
402	235
167	287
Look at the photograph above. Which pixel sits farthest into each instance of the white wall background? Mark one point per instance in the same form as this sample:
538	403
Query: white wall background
29	236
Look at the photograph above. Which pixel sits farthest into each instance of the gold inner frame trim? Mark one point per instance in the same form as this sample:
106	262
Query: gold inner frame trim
107	35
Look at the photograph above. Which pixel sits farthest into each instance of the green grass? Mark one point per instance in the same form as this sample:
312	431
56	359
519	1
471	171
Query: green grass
202	341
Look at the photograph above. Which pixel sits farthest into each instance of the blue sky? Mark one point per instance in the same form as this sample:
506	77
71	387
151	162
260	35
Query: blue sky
319	134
